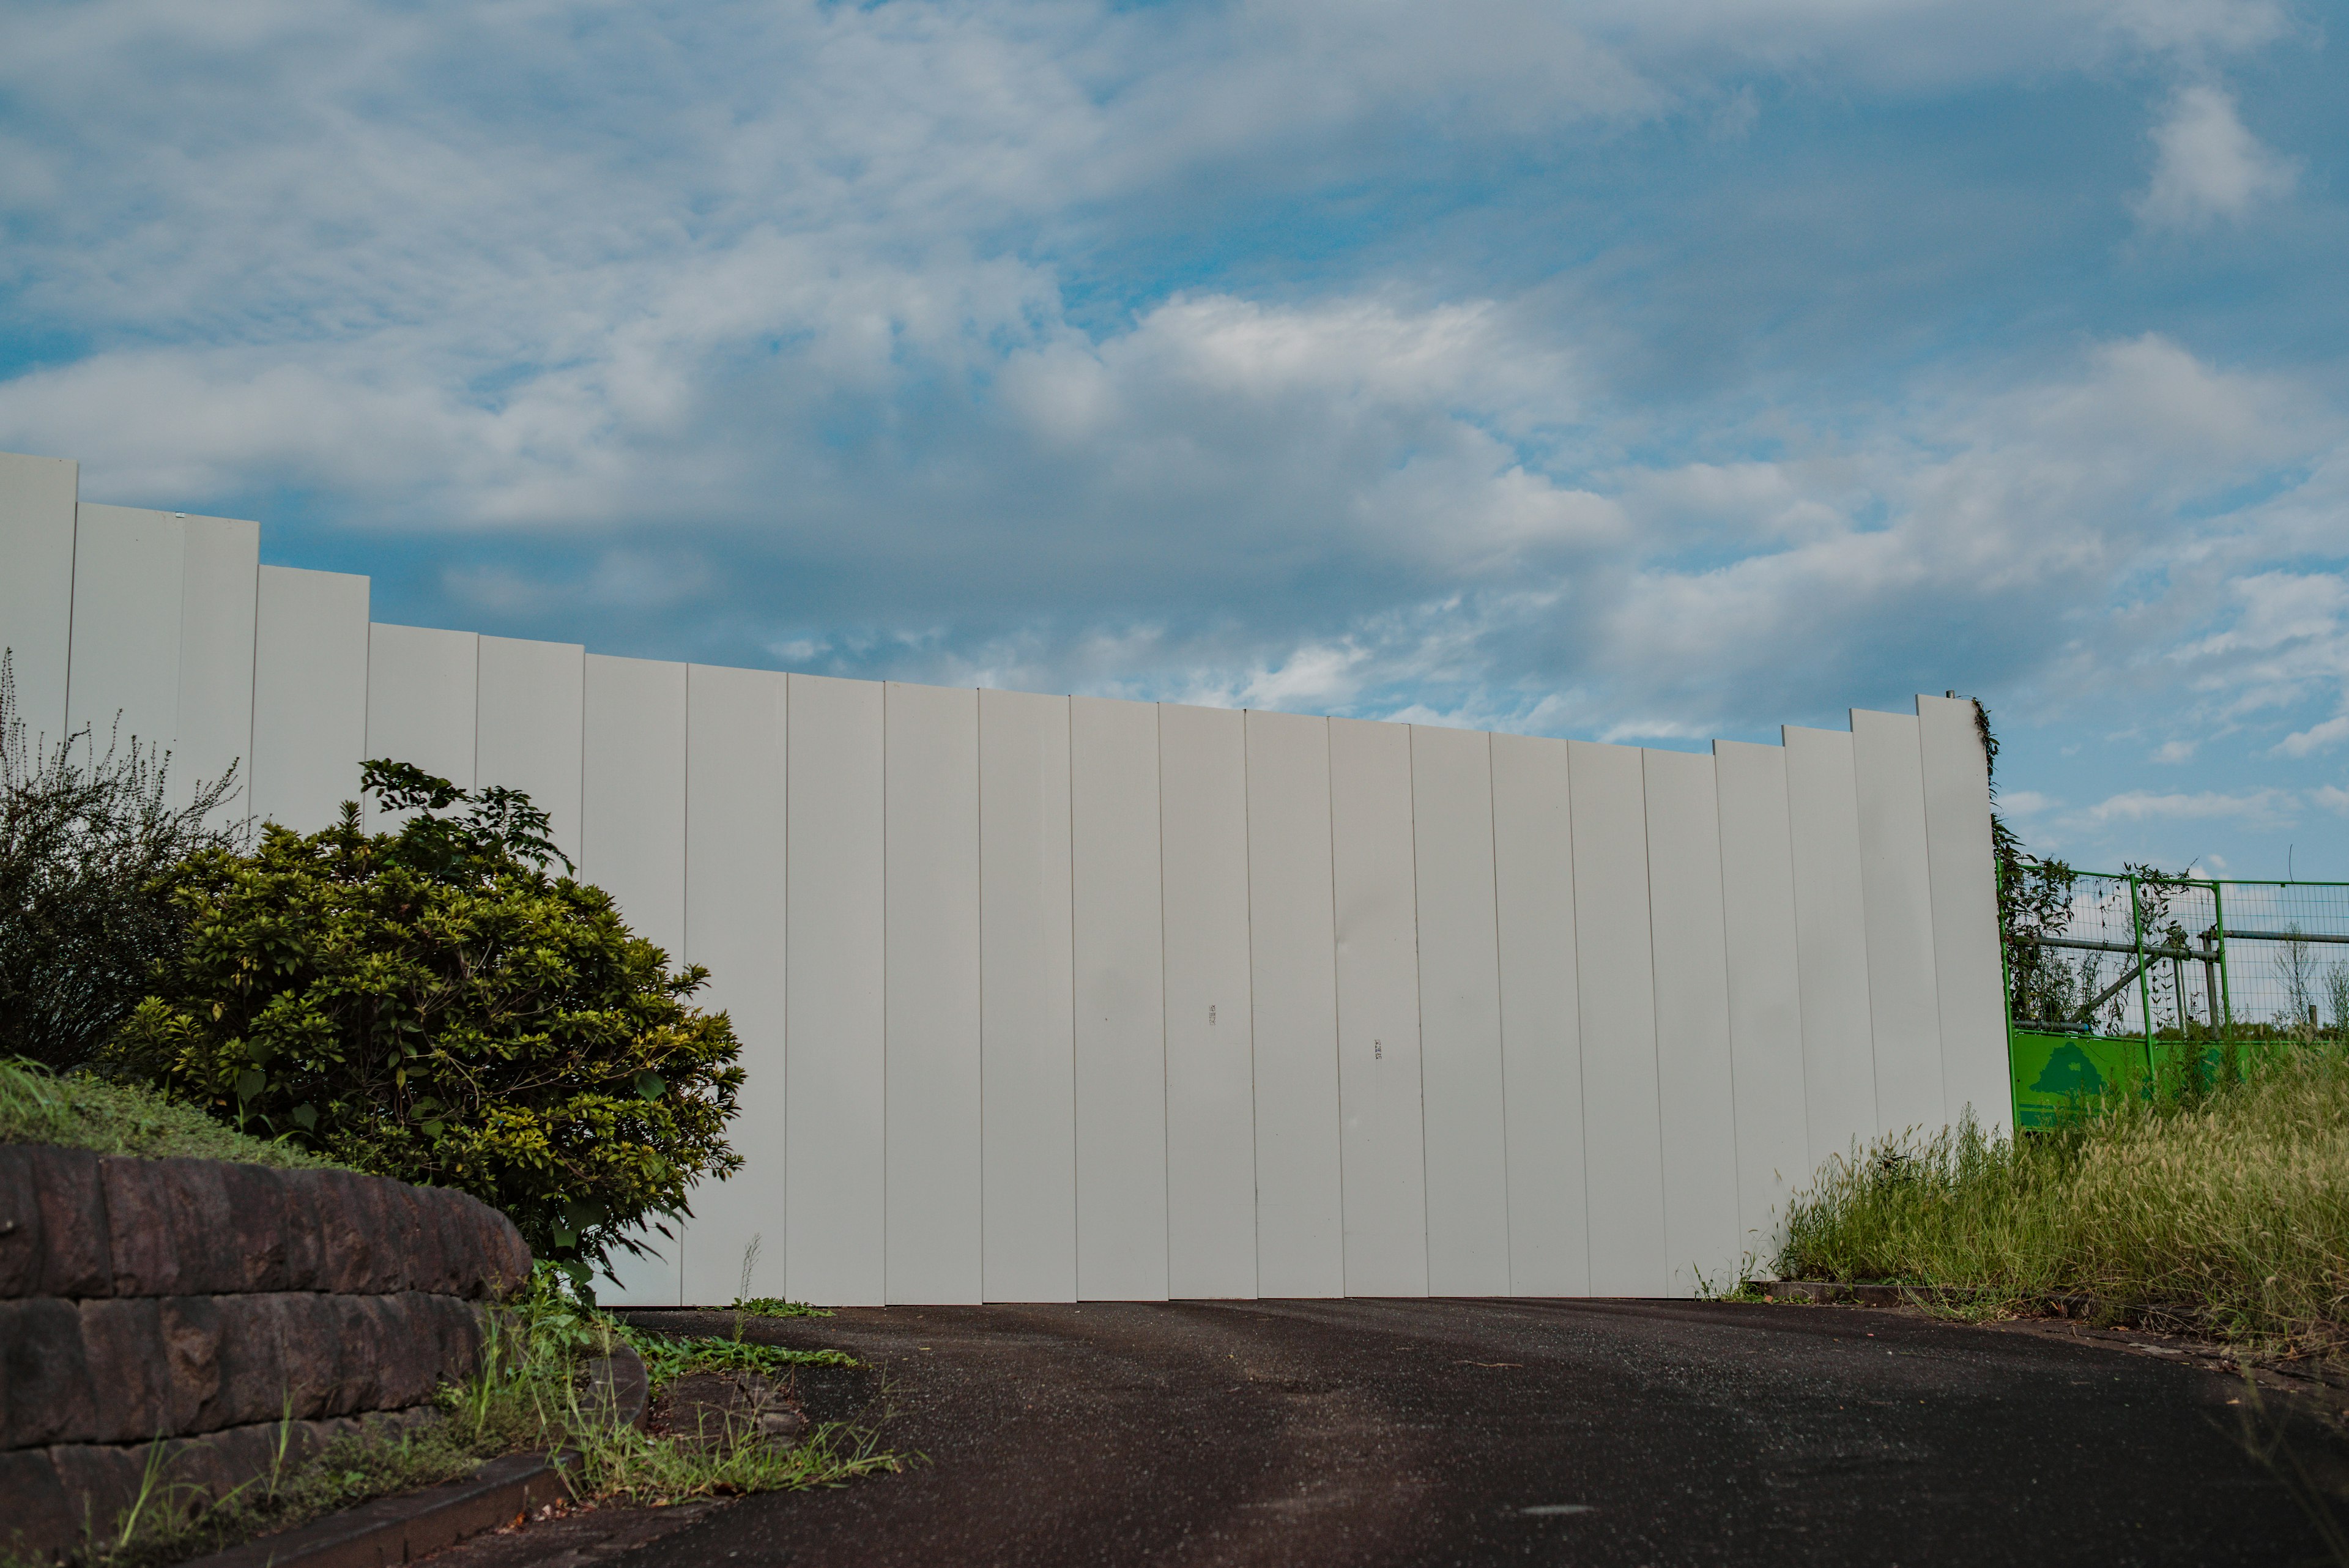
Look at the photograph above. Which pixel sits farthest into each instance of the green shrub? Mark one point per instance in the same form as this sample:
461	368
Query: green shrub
83	836
432	1004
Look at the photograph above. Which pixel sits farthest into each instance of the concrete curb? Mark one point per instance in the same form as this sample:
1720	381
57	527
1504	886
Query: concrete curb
396	1529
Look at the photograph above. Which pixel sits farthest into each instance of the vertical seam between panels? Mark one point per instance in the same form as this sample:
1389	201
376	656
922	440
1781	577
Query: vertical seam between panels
685	893
883	1237
73	584
979	814
1069	738
1581	1064
1165	996
1729	1004
1158	827
1500	1033
1728	1015
1417	994
1655	1031
1867	969
1337	1011
1256	1165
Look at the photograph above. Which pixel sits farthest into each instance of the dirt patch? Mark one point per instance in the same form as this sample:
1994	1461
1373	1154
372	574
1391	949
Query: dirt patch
705	1407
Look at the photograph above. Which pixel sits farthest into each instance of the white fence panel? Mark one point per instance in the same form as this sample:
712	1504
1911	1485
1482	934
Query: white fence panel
632	844
1965	913
935	1214
1972	979
632	794
220	577
1765	1007
309	695
1621	1122
529	710
1121	1001
1461	1089
1202	799
1300	1198
1831	942
1386	1170
422	686
1541	1030
37	498
1896	883
734	919
1694	1081
128	584
833	941
1030	1041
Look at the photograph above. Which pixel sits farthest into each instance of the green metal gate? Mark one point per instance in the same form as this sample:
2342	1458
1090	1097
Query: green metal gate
2140	980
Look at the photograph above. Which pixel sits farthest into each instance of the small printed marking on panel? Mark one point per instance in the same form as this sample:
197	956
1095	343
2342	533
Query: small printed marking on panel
1378	1050
1211	1013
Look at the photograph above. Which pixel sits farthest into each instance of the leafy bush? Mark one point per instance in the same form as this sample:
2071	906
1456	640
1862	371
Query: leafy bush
432	1004
83	837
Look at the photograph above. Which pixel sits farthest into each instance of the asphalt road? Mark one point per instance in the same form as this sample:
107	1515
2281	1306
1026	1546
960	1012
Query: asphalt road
1470	1432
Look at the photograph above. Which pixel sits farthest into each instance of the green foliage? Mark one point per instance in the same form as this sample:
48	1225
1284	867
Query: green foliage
775	1306
83	1112
533	1392
431	1005
2223	1209
669	1356
83	836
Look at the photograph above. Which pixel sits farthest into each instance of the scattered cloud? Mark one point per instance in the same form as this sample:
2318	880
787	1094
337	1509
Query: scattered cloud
2259	808
1649	370
2207	166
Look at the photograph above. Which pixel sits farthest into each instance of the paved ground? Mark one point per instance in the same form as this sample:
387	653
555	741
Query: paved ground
1452	1432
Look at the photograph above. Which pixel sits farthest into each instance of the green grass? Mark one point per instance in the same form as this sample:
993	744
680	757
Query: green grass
775	1306
2223	1213
529	1395
81	1112
668	1357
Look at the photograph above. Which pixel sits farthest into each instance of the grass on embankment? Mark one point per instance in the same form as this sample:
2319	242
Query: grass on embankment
80	1112
2224	1213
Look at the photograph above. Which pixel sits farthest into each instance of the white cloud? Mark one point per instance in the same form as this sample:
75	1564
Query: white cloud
2208	166
2316	738
2262	808
2332	797
819	319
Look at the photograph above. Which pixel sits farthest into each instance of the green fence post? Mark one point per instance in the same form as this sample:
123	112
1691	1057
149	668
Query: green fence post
2006	1000
2144	984
2226	993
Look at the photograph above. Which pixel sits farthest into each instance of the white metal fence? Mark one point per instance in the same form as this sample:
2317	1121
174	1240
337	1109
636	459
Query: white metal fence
1046	998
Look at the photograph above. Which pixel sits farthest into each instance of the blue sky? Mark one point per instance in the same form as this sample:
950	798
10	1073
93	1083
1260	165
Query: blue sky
1644	369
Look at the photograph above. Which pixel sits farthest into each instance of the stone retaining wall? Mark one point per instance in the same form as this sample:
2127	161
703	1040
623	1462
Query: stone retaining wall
232	1310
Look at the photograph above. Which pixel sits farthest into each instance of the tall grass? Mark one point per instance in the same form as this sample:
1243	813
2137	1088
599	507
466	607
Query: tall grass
2223	1211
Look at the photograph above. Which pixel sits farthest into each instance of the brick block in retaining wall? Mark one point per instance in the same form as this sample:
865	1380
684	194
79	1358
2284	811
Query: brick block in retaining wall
209	1304
77	1224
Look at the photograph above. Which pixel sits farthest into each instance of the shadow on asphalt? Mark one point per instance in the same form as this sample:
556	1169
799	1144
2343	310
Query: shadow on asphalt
1419	1432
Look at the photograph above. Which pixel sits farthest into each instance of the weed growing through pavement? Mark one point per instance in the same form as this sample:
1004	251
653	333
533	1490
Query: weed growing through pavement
775	1306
